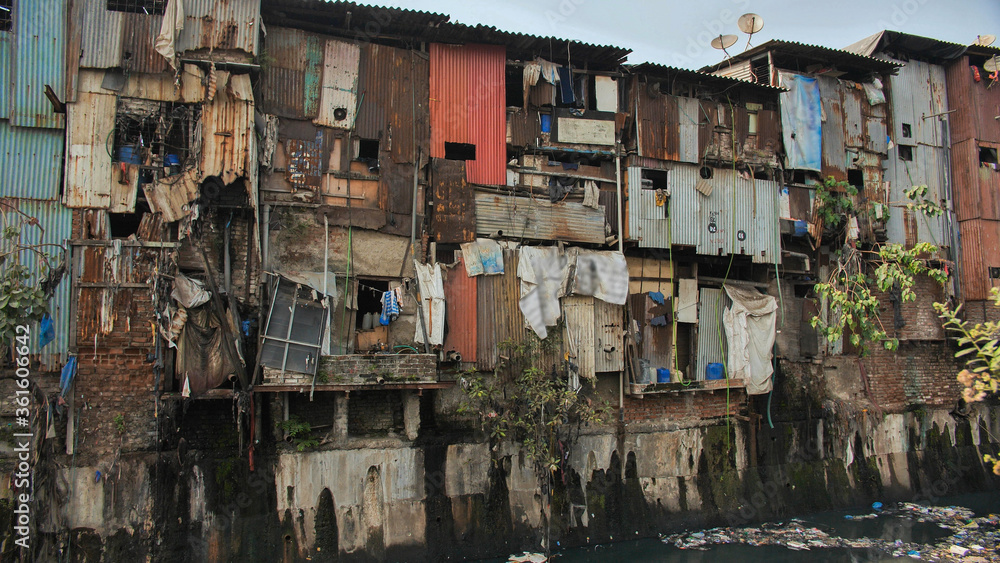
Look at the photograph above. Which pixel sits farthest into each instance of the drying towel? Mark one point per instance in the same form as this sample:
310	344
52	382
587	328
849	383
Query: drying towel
541	273
484	256
566	85
549	71
591	194
432	301
390	307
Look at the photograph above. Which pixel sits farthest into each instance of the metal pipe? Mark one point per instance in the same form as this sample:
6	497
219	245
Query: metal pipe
949	212
227	272
618	192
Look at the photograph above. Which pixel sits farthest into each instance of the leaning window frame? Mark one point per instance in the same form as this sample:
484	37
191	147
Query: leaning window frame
287	342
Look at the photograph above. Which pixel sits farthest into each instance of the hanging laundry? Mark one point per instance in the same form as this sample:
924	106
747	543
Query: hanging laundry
657	297
484	256
188	292
566	85
549	71
591	194
560	187
432	301
750	330
67	375
603	274
390	308
541	273
532	71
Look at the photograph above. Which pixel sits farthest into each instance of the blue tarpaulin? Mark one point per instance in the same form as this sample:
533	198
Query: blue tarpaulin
802	122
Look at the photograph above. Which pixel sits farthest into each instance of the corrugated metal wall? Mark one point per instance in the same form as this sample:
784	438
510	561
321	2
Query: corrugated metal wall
100	31
290	82
88	159
6	62
211	24
579	340
689	116
30	161
711	334
980	251
710	223
538	219
460	297
498	317
917	90
227	125
57	222
608	323
834	157
339	88
468	101
39	53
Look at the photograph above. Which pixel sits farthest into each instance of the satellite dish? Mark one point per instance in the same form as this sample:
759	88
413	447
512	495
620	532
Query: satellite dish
985	40
750	23
992	64
724	42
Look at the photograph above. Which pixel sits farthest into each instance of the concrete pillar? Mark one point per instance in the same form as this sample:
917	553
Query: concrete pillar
340	417
411	414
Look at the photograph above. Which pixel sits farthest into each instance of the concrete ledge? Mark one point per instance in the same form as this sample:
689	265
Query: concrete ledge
640	389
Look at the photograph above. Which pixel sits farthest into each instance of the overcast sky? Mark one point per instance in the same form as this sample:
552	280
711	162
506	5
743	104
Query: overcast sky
677	33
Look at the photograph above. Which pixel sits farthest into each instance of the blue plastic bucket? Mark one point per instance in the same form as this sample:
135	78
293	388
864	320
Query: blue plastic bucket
546	123
715	371
662	375
128	154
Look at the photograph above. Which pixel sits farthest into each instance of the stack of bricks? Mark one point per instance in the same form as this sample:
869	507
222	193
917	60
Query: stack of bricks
374	413
672	407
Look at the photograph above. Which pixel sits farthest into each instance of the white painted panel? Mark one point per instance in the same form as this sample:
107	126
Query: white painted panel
587	131
606	93
340	84
687	300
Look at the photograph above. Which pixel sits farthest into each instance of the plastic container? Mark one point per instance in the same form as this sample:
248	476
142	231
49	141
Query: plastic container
645	372
715	371
662	375
128	154
546	122
801	228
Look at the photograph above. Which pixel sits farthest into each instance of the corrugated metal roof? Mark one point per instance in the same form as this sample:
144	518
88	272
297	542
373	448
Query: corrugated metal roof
468	105
57	223
30	161
538	219
339	87
367	23
843	60
698	76
460	297
711	334
39	60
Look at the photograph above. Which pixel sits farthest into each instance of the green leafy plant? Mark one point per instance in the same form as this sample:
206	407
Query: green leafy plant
919	202
22	298
299	432
119	421
835	203
979	344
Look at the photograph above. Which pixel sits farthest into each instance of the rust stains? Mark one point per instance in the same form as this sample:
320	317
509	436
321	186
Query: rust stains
454	218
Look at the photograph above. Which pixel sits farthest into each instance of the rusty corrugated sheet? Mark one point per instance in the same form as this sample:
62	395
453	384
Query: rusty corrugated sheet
454	218
290	82
834	157
39	53
394	86
215	24
499	318
977	188
6	64
768	130
461	299
467	105
609	199
101	31
339	86
980	252
689	117
227	124
979	103
852	100
659	136
305	163
138	42
608	323
88	159
579	340
524	127
538	219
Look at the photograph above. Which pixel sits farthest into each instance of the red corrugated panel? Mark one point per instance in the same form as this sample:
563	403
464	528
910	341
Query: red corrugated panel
460	296
467	94
980	252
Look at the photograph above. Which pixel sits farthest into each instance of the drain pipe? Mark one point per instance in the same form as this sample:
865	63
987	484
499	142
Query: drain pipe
954	235
413	253
621	242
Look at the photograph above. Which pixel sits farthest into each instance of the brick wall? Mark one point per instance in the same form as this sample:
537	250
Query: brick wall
318	413
374	412
683	406
918	373
360	369
922	322
981	311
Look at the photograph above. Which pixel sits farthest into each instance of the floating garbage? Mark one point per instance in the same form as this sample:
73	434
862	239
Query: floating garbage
972	539
527	557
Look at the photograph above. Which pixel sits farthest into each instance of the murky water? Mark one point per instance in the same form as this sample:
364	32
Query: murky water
833	523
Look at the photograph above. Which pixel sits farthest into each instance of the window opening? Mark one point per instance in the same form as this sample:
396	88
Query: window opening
994	273
124	224
856	178
905	153
6	15
370	303
907	130
368	150
761	70
459	151
515	87
705	172
157	136
148	7
988	157
654	180
294	332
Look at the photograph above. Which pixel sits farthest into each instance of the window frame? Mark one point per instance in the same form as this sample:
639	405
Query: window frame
287	341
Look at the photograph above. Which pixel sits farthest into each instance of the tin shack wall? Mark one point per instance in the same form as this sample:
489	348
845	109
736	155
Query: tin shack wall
395	106
30	162
39	55
290	82
711	334
980	253
88	158
468	101
498	316
461	310
538	219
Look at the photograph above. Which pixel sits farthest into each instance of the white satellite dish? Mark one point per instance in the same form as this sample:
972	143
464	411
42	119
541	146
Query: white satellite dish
750	23
992	64
985	40
724	42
